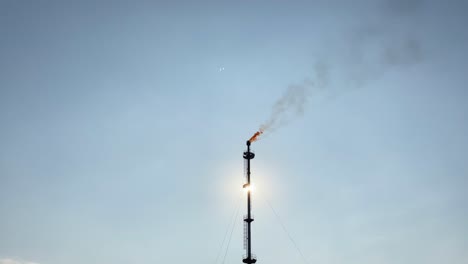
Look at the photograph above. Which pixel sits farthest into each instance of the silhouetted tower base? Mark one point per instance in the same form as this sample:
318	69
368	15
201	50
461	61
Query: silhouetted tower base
248	219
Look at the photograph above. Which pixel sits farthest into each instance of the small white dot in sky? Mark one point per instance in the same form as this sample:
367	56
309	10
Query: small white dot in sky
221	69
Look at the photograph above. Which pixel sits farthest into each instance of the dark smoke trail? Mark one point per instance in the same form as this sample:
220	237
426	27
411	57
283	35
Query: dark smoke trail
294	100
368	53
289	105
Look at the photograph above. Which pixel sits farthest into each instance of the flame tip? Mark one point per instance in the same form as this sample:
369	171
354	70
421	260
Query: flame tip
255	136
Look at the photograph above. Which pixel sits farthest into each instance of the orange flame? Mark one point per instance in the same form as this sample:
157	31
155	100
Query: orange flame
255	136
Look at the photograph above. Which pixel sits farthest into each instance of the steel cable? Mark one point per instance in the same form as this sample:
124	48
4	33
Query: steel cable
232	231
286	231
231	222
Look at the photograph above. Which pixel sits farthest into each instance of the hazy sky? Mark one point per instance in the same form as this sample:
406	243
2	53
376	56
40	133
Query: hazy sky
123	126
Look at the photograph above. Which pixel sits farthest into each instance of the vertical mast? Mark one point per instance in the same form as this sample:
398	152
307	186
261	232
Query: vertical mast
248	219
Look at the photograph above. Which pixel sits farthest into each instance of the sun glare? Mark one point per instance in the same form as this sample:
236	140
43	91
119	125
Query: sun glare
248	187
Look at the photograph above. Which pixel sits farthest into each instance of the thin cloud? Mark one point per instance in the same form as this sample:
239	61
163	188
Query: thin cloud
15	261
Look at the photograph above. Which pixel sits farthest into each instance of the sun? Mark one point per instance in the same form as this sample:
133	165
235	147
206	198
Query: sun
248	187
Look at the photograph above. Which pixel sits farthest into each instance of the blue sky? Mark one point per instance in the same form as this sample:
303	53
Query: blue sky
121	139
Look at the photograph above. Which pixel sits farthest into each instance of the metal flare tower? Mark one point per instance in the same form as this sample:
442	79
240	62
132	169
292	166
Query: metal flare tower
248	219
